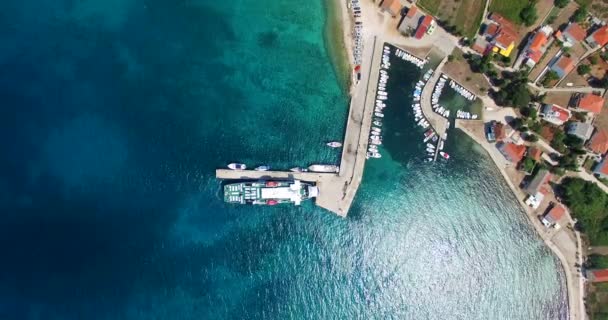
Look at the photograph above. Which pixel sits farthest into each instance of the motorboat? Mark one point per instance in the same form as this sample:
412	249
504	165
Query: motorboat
262	168
373	155
237	166
377	123
334	144
376	129
430	145
445	155
298	169
378	114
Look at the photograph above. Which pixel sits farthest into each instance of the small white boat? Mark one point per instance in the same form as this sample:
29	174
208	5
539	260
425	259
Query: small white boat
430	145
445	155
378	123
378	114
298	169
262	168
334	144
237	166
373	155
374	133
376	129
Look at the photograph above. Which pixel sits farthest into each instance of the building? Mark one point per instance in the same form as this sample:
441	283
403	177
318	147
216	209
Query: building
599	142
538	188
502	34
537	45
563	65
571	35
511	151
554	215
426	27
582	130
599	38
411	20
393	7
600	275
541	178
554	114
535	153
602	169
495	131
590	102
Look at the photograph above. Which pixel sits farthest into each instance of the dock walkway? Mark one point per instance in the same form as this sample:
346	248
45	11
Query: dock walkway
438	122
337	191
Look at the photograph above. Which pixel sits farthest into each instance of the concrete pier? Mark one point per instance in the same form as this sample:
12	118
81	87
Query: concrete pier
337	191
438	122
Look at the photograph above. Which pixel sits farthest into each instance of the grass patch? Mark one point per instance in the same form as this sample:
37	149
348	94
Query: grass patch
431	6
598	301
597	261
509	9
460	16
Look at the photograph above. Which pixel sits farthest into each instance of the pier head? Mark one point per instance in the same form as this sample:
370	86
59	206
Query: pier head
337	190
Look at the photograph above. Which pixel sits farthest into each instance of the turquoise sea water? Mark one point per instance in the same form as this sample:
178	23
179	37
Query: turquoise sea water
115	115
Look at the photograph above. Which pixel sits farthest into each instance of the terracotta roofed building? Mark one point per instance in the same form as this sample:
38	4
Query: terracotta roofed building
599	38
393	7
563	66
554	215
573	34
599	142
554	114
511	151
591	102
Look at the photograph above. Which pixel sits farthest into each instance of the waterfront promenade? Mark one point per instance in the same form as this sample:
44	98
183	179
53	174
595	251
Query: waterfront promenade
439	123
337	191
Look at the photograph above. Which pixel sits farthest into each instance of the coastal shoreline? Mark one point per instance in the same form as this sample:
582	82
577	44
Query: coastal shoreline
345	55
335	36
575	297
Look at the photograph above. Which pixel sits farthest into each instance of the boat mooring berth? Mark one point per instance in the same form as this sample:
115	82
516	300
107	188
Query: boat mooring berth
337	190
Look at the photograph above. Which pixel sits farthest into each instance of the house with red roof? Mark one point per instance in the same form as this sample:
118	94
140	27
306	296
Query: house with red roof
572	34
501	34
538	188
511	151
535	153
425	27
554	215
600	275
599	38
410	21
590	102
393	7
602	169
537	45
599	142
563	65
554	114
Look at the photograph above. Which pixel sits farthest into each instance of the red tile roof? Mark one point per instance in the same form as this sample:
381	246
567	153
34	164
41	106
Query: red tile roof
566	64
599	142
557	212
411	12
535	153
601	36
492	29
603	167
535	56
423	27
562	114
600	275
515	152
502	21
499	131
591	103
393	6
479	48
538	41
575	31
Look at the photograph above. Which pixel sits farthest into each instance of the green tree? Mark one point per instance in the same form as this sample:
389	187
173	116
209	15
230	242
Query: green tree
573	141
558	140
450	58
528	164
583	69
550	77
580	14
589	205
561	3
593	60
528	14
531	137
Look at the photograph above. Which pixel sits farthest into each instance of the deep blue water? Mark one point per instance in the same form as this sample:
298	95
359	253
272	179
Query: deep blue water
115	115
